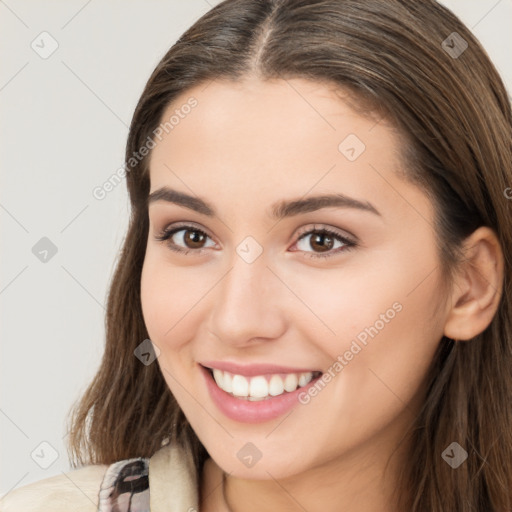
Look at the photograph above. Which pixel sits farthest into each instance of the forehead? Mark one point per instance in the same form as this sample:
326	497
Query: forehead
255	140
281	118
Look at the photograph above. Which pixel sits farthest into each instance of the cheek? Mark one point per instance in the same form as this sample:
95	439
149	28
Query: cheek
386	353
151	297
171	299
165	295
376	321
363	301
392	292
162	305
165	302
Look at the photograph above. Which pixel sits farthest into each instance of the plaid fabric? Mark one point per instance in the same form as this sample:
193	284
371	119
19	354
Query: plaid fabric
125	487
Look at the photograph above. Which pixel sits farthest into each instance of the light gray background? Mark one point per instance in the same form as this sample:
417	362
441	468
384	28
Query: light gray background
64	123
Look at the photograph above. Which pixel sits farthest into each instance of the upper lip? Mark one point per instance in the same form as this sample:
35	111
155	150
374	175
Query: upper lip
250	370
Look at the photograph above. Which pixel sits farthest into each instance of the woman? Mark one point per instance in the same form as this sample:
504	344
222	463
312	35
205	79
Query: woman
312	306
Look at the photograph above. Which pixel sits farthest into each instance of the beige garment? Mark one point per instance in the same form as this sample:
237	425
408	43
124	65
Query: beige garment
172	487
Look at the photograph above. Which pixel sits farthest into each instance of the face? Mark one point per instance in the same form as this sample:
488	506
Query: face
253	272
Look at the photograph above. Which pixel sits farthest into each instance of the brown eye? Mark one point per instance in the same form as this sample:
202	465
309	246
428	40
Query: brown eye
185	239
324	242
193	239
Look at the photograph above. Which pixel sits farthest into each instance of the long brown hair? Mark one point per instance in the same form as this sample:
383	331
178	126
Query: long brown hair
398	58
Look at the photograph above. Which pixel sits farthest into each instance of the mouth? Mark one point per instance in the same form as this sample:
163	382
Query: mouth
260	387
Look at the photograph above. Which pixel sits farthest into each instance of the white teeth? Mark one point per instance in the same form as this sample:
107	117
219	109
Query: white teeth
305	378
275	386
291	381
227	382
240	386
217	375
258	387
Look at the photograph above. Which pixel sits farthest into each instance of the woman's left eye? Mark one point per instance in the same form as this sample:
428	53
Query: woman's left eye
192	240
325	239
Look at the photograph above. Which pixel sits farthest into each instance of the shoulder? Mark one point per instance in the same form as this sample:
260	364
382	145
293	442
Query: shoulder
122	486
77	490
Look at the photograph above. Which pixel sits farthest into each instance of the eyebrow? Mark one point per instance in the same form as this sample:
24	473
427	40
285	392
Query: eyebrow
279	210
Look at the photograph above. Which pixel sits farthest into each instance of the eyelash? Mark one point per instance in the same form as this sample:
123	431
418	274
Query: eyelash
167	233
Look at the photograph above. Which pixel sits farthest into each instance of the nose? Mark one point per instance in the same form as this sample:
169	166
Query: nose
248	304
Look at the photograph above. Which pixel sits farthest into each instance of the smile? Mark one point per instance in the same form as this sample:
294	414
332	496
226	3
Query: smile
275	393
261	387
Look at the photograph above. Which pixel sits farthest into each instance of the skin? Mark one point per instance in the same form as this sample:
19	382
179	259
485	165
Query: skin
244	147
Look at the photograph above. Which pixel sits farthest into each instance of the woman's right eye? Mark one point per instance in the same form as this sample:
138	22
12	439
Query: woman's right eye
184	239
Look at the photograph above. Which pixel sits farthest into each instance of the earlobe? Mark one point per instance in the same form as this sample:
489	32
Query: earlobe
477	291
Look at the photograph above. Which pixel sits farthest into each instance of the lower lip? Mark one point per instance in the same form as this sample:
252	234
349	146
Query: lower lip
246	411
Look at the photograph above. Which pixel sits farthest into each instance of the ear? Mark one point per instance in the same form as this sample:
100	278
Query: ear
478	286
